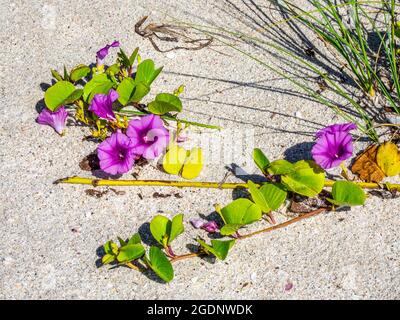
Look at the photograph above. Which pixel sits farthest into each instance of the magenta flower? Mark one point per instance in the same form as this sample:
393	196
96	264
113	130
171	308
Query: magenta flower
334	145
54	119
149	136
103	52
341	127
209	226
101	105
116	154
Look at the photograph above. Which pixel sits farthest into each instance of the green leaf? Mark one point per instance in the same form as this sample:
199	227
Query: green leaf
229	229
160	264
133	56
347	193
76	95
240	211
274	194
107	258
103	88
176	227
397	29
260	160
124	59
66	76
130	252
164	103
110	248
280	167
135	239
56	75
146	72
307	178
160	228
56	95
113	69
218	248
258	197
79	72
141	90
125	90
97	80
122	242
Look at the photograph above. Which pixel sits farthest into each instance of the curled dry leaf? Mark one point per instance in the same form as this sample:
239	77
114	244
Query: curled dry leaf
365	166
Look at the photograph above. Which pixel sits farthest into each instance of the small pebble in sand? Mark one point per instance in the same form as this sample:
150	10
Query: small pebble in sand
298	114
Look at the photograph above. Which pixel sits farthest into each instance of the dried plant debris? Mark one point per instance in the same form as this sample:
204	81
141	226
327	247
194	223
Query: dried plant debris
170	33
302	204
385	194
365	165
99	194
90	163
167	195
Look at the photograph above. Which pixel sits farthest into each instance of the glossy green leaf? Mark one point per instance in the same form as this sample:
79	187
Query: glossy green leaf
141	90
258	197
176	227
56	75
219	248
130	252
307	178
107	258
125	90
122	242
260	160
135	239
56	95
133	56
124	58
103	88
160	228
274	194
347	193
240	211
79	72
164	103
280	167
76	95
97	80
146	72
229	229
160	264
66	75
113	69
110	248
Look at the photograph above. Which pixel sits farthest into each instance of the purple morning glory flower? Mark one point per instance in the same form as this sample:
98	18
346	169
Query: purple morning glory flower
101	105
54	119
116	154
334	145
209	226
103	52
149	136
341	127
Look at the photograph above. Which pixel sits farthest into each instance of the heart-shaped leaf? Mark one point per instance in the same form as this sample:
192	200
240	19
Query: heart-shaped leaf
174	159
146	72
176	227
347	193
274	194
260	160
229	229
130	252
160	228
56	95
164	103
240	211
76	95
79	72
258	197
307	178
193	164
160	264
218	248
280	167
97	80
